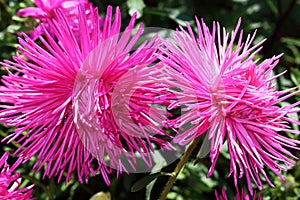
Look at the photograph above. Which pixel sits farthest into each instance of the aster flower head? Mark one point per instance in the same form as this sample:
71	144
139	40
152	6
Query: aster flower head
111	101
60	96
10	181
45	10
226	93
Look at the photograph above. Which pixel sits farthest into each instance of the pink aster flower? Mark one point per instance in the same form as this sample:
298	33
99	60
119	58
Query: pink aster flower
10	181
225	92
239	196
45	10
60	95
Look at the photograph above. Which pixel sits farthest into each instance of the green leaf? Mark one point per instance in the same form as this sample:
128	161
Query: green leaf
159	161
273	7
143	182
136	6
289	40
179	18
293	116
295	75
149	189
13	28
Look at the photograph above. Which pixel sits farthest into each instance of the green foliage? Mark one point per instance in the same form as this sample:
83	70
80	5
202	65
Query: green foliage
136	6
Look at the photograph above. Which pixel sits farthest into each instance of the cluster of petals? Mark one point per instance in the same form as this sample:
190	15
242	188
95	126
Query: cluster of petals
45	10
10	181
239	196
223	91
52	85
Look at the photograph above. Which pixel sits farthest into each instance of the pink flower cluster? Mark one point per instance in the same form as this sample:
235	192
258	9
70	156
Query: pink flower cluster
45	11
10	181
239	196
84	93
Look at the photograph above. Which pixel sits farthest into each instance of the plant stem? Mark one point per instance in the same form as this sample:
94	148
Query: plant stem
51	189
180	166
37	182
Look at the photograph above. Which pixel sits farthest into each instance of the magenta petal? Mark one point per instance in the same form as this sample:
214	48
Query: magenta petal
32	12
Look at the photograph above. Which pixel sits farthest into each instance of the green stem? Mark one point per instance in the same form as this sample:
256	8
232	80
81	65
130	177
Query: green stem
156	12
36	182
51	189
179	168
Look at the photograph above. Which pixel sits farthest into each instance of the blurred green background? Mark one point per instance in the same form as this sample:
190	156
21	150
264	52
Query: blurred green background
276	20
